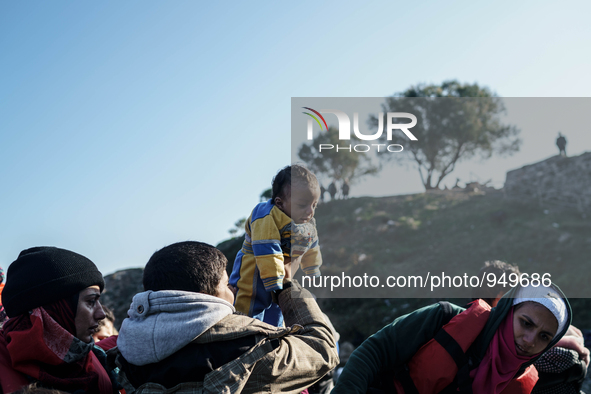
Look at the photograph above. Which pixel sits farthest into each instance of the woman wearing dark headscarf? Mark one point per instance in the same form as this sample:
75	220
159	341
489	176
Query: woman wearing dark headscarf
480	351
51	297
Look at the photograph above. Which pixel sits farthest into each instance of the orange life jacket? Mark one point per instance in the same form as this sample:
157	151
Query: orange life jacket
441	365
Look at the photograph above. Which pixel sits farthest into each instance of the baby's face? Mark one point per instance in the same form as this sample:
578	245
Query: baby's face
301	203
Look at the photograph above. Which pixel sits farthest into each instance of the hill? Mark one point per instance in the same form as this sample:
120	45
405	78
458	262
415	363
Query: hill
456	230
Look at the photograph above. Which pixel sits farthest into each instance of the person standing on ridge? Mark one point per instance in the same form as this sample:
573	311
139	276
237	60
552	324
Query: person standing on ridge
561	144
332	190
345	188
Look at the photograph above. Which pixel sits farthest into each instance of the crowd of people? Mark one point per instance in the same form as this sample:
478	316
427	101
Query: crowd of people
194	329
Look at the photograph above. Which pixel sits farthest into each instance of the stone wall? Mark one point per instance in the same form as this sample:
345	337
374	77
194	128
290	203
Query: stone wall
563	181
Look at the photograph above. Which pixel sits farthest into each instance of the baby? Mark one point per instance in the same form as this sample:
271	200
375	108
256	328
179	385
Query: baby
278	230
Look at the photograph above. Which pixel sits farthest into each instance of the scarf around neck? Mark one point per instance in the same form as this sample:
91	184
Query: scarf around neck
41	347
501	362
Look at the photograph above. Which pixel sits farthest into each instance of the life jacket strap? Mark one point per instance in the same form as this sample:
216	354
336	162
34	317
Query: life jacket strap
452	347
403	376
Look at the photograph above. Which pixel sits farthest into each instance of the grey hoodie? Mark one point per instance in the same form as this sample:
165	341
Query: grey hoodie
160	323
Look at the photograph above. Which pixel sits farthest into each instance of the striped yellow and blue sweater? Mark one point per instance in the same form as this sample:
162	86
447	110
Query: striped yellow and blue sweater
271	236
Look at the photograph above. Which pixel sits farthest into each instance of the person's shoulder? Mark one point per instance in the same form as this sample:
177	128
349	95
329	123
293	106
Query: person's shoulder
445	307
435	315
261	210
239	325
271	213
108	343
10	379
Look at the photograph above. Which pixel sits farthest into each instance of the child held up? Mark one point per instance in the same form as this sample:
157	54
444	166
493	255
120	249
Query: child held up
279	230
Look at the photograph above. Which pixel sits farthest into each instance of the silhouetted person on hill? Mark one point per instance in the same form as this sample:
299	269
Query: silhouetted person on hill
332	190
322	191
561	144
345	188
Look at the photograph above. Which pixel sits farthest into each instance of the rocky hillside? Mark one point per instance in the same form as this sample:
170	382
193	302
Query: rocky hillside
458	228
561	181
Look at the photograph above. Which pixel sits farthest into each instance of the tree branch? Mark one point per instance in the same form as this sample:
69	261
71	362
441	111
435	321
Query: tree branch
451	164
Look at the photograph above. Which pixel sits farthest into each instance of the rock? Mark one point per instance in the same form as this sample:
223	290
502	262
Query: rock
382	228
120	288
562	181
564	237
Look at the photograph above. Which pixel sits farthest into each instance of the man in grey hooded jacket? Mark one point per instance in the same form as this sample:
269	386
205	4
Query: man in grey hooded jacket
183	334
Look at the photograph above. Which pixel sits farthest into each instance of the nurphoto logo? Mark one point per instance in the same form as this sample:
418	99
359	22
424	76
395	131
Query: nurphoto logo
392	119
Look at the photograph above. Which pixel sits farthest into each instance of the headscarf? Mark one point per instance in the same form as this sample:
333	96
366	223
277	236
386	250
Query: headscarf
42	344
501	361
547	297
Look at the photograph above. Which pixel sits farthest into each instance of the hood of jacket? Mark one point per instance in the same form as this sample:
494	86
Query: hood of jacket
498	313
160	323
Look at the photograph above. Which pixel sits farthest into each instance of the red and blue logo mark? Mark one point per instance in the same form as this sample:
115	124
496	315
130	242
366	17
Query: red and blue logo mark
315	118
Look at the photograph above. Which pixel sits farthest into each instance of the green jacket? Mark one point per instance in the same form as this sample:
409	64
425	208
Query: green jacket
397	343
282	359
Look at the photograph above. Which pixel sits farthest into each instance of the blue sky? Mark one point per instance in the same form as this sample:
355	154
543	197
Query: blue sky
126	126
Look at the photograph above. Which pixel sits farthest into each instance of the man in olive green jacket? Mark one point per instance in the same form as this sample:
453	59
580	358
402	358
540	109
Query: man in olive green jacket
184	336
